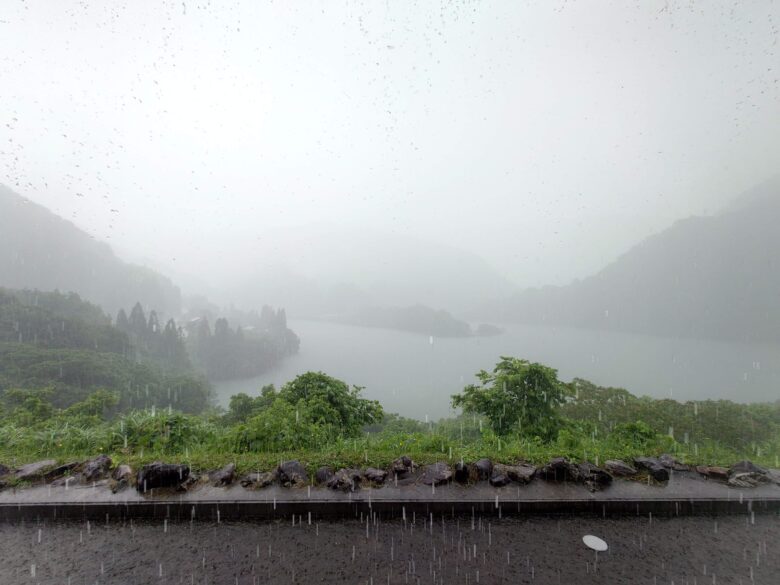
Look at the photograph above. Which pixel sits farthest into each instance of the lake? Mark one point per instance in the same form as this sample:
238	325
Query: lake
415	376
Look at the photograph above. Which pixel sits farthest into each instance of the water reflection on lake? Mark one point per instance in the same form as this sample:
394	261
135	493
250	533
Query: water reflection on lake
415	377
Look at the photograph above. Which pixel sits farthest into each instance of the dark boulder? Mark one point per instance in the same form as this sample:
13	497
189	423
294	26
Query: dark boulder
346	480
436	474
499	475
403	466
712	472
96	468
619	468
323	475
654	467
465	473
33	471
224	476
671	462
257	480
374	475
161	475
4	470
594	477
292	474
484	468
559	469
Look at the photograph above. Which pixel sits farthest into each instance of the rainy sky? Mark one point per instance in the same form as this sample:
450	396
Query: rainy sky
547	137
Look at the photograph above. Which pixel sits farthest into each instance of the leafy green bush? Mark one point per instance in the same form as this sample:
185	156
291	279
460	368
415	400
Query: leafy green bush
517	396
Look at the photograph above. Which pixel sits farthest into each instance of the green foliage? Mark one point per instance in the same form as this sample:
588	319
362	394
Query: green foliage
282	427
332	402
74	374
321	420
162	432
739	425
242	406
517	396
56	320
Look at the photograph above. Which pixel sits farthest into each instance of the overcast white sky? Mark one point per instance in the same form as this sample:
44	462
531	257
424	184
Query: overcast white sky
547	137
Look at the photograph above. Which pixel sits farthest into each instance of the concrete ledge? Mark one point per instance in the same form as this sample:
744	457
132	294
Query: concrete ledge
686	494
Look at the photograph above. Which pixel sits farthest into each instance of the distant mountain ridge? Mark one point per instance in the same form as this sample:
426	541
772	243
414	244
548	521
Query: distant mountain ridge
715	277
40	250
338	270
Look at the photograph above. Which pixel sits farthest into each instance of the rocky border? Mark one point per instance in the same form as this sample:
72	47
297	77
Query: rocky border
403	471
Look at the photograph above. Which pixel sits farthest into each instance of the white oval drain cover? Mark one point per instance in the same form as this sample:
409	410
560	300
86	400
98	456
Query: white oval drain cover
594	542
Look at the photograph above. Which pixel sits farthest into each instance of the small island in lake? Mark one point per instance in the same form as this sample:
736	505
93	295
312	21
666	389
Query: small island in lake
418	319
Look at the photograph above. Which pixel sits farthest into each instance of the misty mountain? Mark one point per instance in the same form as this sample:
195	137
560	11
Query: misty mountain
326	270
40	250
712	277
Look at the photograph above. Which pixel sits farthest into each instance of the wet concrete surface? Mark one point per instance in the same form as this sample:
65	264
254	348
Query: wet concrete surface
369	549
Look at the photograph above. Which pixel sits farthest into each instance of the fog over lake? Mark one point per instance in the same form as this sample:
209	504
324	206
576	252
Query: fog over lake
415	378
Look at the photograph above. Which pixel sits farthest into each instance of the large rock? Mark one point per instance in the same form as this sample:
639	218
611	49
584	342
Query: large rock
323	475
258	480
712	472
619	468
346	480
224	476
654	467
746	474
403	467
123	471
522	472
436	474
499	475
559	469
33	471
292	474
121	478
96	468
484	468
60	470
594	477
374	475
670	462
161	475
465	473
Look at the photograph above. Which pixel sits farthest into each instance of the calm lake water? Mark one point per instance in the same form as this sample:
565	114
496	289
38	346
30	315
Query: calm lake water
414	377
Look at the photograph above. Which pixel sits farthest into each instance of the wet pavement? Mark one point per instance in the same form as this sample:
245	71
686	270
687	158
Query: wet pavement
371	550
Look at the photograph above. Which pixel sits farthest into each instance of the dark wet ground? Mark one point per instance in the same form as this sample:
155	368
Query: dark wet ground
693	550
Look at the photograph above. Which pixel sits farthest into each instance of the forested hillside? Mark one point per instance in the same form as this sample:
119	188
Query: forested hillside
56	348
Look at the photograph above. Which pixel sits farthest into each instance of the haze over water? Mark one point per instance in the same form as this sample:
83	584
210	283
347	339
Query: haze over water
415	378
